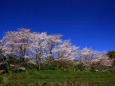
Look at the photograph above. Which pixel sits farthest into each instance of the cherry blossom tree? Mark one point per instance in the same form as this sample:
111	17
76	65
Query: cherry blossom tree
101	62
1	49
85	56
38	46
24	44
17	43
65	50
65	53
88	54
52	42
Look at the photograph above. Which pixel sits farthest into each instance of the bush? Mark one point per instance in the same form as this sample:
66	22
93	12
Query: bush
79	67
58	64
51	66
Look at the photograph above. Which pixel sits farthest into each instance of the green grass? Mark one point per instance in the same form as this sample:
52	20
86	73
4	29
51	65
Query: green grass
58	78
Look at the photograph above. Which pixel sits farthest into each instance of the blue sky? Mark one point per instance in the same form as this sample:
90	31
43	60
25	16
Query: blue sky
87	23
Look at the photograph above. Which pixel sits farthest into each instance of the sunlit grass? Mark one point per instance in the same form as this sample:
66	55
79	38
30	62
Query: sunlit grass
48	77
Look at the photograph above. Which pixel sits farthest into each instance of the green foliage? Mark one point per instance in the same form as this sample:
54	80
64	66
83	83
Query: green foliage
57	64
49	66
79	67
111	54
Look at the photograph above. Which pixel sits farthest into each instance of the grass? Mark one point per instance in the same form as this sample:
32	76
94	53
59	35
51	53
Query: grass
58	78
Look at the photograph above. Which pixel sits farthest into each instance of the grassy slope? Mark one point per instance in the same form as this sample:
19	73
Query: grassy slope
52	76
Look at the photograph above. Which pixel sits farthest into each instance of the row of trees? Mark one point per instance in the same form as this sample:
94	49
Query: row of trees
42	48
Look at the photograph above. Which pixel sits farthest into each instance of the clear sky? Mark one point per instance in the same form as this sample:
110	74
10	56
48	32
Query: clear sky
88	23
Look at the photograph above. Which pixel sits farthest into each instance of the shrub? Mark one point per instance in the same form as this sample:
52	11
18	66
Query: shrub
79	67
51	66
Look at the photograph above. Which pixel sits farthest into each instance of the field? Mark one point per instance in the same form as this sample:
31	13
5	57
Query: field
57	78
